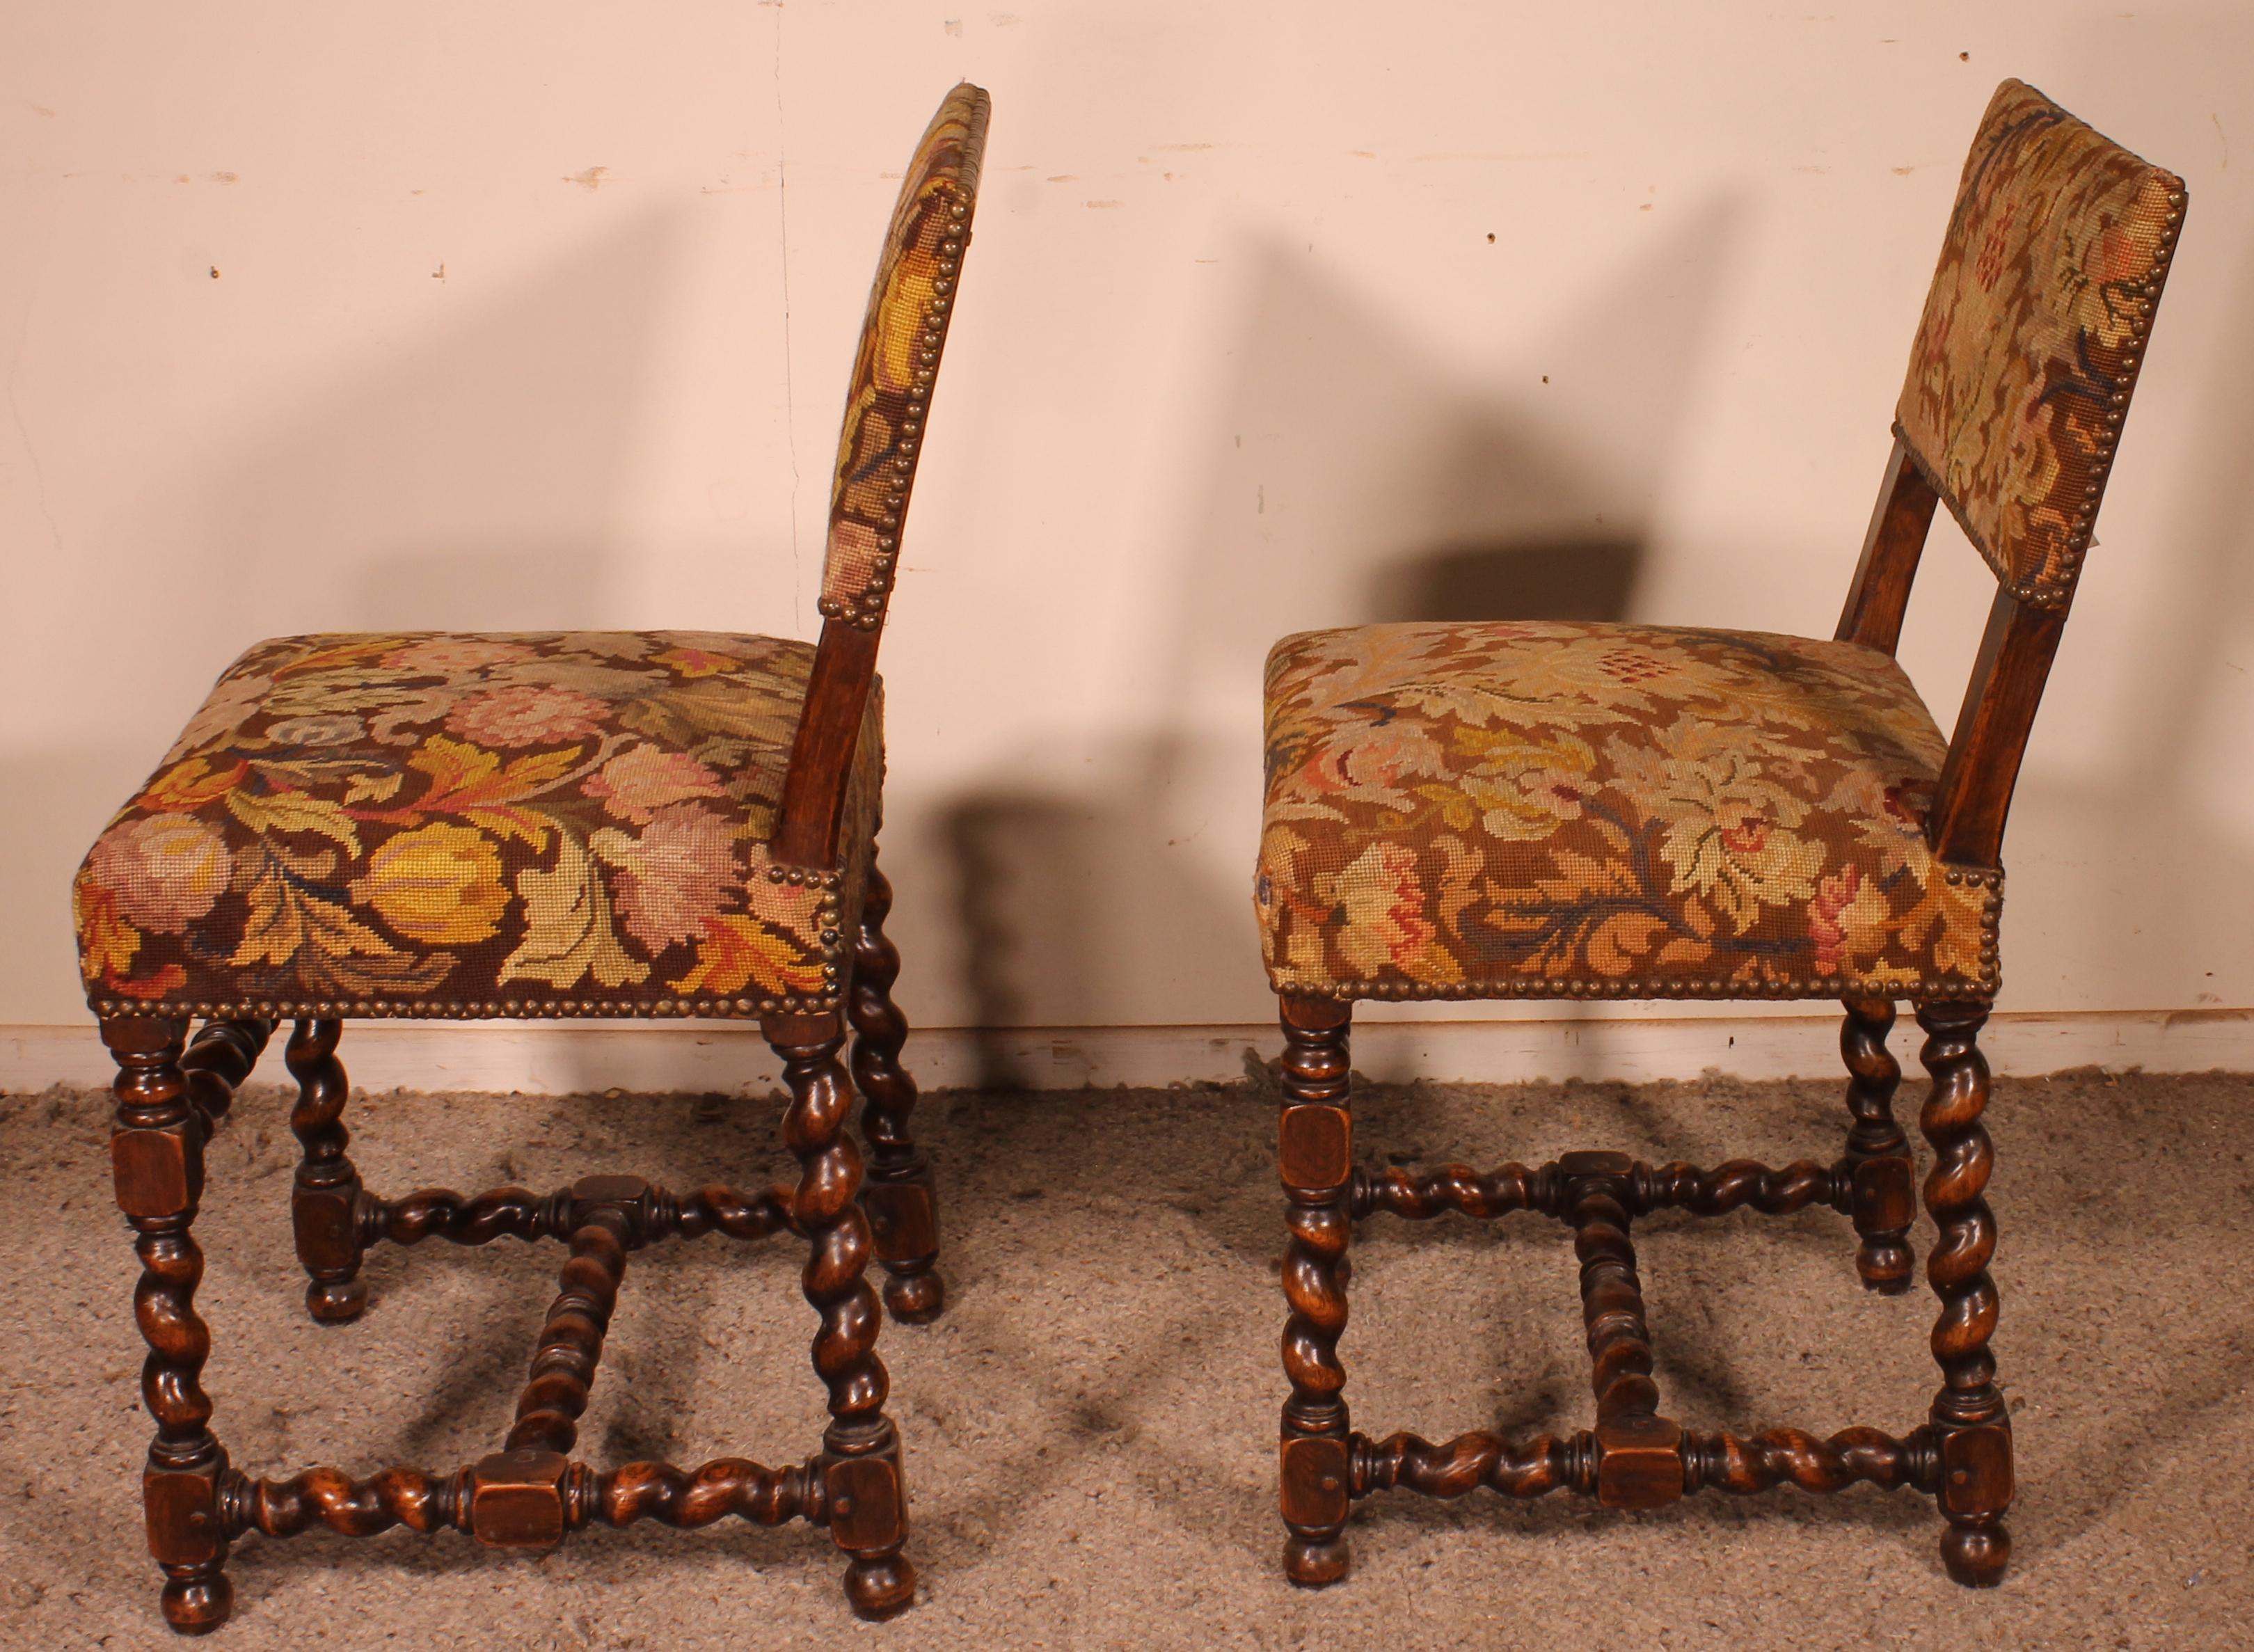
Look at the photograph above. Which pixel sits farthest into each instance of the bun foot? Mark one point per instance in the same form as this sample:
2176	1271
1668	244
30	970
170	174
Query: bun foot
1886	1268
337	1303
1314	1563
915	1299
880	1588
199	1605
1976	1556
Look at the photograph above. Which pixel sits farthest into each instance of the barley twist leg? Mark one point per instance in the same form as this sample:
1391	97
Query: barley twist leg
902	1209
325	1197
1315	1160
1880	1174
866	1499
1968	1413
158	1166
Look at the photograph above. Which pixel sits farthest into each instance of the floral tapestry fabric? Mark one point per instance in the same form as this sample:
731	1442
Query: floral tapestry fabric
1551	810
2033	335
909	305
440	823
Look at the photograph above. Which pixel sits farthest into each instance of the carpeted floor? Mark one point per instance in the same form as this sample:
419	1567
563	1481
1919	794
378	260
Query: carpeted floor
1090	1426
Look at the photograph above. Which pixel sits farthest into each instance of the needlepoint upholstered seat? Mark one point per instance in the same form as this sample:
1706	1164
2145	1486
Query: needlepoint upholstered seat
538	825
437	823
1512	809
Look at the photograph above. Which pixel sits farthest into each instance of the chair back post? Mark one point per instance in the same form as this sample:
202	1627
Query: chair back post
1974	793
910	304
822	754
1879	595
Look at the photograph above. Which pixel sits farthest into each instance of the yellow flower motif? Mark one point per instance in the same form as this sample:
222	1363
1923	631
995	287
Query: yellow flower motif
440	884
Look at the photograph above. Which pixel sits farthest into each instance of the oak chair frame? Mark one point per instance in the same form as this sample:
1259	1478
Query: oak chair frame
1634	1458
173	1092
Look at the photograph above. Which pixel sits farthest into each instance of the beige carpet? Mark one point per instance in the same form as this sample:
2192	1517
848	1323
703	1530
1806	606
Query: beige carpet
1090	1427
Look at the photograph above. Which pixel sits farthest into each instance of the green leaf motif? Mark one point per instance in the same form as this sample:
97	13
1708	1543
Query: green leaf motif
568	933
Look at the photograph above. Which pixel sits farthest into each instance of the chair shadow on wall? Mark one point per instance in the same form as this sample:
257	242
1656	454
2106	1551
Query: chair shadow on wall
1352	475
471	477
2140	911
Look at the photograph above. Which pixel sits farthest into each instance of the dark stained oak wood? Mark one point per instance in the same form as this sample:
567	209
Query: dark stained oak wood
1880	594
1315	1135
861	1450
1743	1465
1639	1461
325	1197
724	1489
1968	1413
1635	1457
902	1206
410	1497
821	753
218	1060
1881	1176
518	1213
1974	793
1738	1184
157	1160
1473	1462
570	1346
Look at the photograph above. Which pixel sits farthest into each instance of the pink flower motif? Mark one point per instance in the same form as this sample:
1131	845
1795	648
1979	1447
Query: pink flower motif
1379	758
448	656
524	714
166	871
2118	256
674	878
1833	896
645	778
232	705
1996	250
850	564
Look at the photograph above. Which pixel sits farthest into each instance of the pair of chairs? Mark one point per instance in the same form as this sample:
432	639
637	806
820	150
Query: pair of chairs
684	824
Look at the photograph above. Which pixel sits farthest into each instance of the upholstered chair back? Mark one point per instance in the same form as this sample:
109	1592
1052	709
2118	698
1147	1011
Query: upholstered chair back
901	341
887	405
2033	335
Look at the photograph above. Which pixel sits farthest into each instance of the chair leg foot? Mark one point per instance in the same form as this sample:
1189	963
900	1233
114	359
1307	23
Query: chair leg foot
879	1586
336	1301
915	1299
1314	1563
197	1600
1977	1552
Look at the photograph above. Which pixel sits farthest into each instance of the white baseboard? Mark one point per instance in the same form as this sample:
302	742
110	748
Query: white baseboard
576	1057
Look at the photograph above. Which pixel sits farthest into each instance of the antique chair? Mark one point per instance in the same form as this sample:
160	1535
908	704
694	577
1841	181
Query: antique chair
1522	811
581	825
